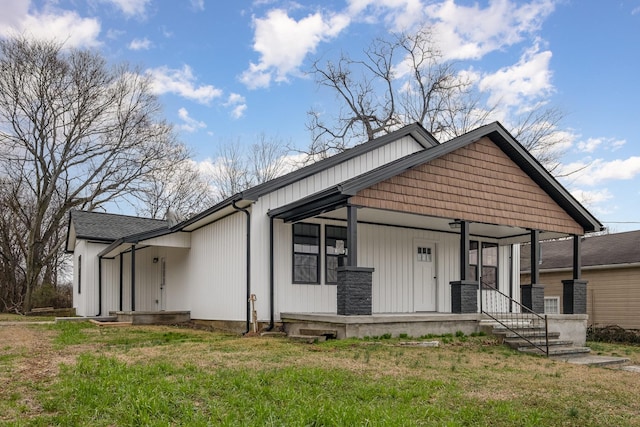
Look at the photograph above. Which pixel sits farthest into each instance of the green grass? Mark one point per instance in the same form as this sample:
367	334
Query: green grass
80	374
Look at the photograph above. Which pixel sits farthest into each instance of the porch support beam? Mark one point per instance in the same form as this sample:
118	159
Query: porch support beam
464	293
352	236
133	277
574	291
577	257
535	256
121	279
533	293
464	250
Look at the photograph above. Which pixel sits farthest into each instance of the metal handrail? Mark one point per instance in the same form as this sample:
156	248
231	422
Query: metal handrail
525	314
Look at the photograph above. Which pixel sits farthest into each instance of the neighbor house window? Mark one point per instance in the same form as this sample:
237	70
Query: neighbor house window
483	257
79	273
551	305
306	253
335	239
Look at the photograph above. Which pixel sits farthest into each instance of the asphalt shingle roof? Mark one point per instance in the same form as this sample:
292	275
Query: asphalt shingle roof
110	227
607	249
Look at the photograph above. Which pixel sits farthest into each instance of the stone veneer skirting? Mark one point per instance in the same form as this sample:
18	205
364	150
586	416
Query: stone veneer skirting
533	297
574	296
464	296
354	294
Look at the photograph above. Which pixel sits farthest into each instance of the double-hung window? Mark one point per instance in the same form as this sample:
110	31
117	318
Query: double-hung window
485	255
335	249
306	253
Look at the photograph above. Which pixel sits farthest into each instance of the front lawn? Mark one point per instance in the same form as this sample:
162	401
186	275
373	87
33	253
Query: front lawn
80	374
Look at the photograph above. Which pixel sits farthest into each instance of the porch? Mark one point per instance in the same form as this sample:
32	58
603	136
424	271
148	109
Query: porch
570	327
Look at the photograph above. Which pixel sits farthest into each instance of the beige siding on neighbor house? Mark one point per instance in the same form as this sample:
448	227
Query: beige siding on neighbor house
476	183
613	295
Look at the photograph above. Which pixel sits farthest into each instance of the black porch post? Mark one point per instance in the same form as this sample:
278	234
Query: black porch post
577	258
121	279
535	256
464	250
352	236
464	293
533	293
354	290
133	277
574	291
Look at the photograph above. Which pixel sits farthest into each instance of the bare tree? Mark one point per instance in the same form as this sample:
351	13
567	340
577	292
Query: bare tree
238	169
267	159
74	133
180	188
405	79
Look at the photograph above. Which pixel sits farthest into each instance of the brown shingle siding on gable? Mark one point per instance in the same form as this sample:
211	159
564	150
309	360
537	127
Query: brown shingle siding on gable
475	183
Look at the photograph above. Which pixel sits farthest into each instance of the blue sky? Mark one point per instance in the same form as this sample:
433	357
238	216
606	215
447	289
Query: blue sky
231	70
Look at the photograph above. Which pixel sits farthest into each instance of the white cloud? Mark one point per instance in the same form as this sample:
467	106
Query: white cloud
591	198
591	144
591	173
470	32
399	15
197	4
182	82
190	124
283	44
62	25
130	7
238	105
521	83
140	44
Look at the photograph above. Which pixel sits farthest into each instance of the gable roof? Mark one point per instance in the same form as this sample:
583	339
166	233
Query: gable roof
338	195
106	227
605	250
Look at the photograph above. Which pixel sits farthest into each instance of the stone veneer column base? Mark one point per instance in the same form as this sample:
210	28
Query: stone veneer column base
354	292
533	297
574	296
464	296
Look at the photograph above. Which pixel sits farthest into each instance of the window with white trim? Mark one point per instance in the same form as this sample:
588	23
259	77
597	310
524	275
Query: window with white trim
551	305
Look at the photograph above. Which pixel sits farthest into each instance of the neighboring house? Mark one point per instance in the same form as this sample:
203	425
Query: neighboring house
398	225
610	265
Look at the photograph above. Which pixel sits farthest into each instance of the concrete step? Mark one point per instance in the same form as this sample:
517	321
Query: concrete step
309	339
529	334
520	343
328	333
557	350
595	360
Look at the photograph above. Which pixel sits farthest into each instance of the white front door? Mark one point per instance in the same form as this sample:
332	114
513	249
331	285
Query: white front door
424	276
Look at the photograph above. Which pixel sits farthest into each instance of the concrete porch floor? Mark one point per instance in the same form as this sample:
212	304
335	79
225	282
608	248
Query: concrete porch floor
412	324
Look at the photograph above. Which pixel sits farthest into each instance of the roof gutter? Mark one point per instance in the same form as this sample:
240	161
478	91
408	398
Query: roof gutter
248	264
587	267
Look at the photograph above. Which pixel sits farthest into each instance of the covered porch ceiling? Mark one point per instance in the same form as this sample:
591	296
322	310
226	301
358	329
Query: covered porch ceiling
503	233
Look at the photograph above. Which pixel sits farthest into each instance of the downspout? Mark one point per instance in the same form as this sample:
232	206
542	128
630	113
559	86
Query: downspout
271	275
99	287
246	212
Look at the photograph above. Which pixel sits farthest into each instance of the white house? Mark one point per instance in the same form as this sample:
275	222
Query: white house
400	225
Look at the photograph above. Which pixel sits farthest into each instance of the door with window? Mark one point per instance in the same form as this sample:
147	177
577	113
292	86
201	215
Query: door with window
424	276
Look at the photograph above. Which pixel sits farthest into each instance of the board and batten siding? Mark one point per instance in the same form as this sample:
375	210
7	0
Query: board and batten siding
613	294
307	299
478	182
216	270
390	251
